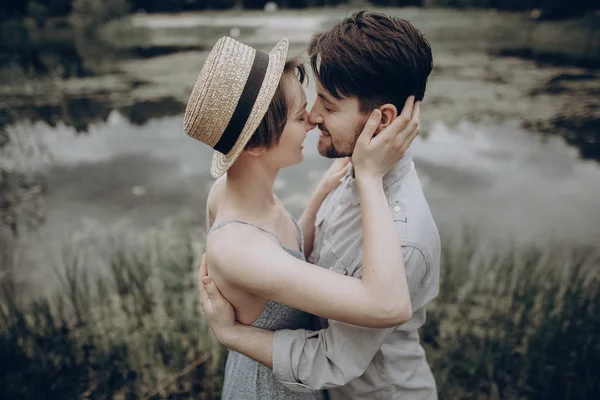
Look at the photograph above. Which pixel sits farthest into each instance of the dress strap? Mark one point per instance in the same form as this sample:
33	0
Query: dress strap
299	232
237	221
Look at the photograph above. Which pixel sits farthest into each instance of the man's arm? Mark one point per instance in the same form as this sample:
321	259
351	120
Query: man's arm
315	360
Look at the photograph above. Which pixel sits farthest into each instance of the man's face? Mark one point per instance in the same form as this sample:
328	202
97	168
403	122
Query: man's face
340	123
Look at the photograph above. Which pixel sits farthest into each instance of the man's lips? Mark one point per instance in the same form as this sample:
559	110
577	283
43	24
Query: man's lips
324	132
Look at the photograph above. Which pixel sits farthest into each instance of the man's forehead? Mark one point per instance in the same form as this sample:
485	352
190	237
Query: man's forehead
328	97
322	92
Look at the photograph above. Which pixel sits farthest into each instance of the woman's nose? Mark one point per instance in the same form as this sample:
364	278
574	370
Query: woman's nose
309	124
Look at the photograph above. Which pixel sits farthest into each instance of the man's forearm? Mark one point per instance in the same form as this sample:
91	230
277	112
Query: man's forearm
307	219
252	342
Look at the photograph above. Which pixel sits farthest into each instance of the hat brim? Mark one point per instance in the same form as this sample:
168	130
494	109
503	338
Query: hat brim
277	58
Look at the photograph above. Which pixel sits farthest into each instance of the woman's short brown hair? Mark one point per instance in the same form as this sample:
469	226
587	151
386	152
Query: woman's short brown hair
271	127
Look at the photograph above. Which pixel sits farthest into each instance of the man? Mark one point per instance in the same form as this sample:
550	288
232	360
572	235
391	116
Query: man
366	61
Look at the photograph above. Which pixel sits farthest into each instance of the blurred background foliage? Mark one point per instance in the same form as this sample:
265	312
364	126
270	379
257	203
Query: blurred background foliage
91	97
55	8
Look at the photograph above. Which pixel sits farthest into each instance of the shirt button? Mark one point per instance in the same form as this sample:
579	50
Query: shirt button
396	208
338	207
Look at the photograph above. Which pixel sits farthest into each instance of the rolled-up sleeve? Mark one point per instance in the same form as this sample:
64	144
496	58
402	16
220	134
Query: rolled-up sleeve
314	360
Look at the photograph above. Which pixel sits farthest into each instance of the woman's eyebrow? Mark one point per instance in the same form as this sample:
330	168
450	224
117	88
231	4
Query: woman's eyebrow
301	109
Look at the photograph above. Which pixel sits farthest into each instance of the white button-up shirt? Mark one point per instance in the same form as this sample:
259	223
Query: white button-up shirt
352	362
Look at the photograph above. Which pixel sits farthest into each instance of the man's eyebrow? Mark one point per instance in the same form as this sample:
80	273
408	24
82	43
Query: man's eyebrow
325	97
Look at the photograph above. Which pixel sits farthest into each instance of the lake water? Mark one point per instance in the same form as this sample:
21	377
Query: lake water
510	145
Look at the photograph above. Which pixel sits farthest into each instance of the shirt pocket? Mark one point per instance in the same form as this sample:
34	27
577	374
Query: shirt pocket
318	239
400	220
328	259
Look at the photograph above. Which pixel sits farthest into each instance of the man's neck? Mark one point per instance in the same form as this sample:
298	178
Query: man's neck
399	171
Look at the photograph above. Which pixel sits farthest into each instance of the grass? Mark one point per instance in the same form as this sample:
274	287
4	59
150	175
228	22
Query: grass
521	323
128	333
518	323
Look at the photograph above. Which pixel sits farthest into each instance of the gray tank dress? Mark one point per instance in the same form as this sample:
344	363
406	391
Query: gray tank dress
246	379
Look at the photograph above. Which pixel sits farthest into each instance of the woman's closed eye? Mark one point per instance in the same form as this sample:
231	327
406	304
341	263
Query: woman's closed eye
302	116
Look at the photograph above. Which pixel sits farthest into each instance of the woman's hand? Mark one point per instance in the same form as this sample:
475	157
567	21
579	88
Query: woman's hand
333	177
375	156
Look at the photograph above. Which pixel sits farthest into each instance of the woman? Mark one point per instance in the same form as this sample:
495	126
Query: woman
251	108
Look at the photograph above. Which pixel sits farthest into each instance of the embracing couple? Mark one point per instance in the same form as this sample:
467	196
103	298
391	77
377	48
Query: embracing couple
364	256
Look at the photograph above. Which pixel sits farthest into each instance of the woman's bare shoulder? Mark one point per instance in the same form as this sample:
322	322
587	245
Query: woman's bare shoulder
238	237
235	245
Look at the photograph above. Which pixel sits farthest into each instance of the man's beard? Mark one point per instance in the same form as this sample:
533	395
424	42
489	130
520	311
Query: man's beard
332	152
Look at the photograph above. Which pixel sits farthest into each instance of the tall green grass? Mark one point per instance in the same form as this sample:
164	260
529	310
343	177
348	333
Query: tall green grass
516	323
133	332
512	323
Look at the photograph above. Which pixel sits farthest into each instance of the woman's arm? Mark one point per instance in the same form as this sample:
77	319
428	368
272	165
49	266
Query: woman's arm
331	180
258	265
381	298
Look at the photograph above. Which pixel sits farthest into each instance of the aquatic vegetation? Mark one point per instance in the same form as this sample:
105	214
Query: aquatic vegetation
519	323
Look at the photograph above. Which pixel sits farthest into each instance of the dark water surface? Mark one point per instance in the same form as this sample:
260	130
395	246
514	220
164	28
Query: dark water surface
511	142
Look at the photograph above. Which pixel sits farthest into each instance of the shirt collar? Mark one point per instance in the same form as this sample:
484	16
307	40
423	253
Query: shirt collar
397	173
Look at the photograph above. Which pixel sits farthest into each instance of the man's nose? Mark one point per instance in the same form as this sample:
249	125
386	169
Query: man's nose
315	116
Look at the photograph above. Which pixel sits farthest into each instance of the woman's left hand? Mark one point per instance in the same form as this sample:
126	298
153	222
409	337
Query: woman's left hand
335	173
375	156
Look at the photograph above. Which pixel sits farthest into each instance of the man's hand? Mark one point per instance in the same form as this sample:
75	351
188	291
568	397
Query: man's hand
376	156
218	311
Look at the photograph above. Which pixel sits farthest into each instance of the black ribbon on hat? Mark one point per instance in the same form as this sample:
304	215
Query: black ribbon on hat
245	104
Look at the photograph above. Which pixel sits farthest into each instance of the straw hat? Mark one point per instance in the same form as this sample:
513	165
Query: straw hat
231	96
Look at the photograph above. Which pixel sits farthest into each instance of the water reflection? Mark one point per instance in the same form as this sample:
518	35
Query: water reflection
493	156
150	40
80	112
549	58
25	46
504	180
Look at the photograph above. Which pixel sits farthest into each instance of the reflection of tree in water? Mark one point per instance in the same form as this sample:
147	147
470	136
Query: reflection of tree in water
81	111
143	111
582	133
579	131
25	46
578	124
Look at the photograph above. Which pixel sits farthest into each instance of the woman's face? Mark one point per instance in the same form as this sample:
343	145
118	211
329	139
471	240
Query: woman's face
289	149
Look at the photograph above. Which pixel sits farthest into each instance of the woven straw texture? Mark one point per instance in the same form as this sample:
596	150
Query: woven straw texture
218	90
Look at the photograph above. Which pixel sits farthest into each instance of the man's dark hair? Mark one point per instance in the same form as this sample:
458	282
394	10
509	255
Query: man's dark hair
273	123
377	58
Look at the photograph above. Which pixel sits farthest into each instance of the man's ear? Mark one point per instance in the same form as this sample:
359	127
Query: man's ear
388	114
256	152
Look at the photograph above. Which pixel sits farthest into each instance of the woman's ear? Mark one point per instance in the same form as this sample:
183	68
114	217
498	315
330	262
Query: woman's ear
388	114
